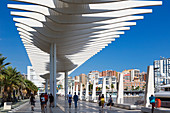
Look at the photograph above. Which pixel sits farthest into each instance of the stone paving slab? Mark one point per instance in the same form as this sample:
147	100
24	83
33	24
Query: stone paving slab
63	107
26	108
88	107
14	106
156	110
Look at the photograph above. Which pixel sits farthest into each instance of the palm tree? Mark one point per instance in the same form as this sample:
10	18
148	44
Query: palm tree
30	87
143	88
107	87
2	60
99	88
90	87
2	66
112	86
137	88
132	87
22	85
11	81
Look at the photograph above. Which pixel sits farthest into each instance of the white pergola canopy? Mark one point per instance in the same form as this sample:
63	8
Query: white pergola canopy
79	28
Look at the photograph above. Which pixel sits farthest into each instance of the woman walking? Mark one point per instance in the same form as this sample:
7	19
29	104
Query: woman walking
102	100
110	101
32	101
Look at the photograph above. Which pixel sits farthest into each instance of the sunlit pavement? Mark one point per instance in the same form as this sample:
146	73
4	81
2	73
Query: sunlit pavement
83	107
26	108
88	107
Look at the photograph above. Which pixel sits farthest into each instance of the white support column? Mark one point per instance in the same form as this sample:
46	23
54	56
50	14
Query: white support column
120	90
94	90
87	91
104	88
46	86
77	92
51	69
81	91
66	84
54	80
71	88
149	85
68	90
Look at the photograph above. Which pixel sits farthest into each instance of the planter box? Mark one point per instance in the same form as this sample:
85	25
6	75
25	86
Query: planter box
7	105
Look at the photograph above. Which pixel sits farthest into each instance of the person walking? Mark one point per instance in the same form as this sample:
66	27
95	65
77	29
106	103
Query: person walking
102	100
51	97
75	98
69	99
110	101
46	99
152	102
32	101
99	99
42	101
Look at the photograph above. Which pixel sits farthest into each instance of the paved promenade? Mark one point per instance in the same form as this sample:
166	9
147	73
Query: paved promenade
83	107
88	107
26	108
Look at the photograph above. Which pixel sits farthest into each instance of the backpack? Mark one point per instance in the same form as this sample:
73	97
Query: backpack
42	99
110	100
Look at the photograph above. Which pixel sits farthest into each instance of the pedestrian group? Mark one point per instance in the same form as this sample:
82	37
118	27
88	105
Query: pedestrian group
75	99
101	101
44	99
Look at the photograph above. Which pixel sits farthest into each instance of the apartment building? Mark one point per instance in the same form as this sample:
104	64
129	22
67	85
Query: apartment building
162	71
108	73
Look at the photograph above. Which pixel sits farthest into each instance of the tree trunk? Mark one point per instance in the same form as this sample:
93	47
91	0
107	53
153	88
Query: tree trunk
5	94
9	96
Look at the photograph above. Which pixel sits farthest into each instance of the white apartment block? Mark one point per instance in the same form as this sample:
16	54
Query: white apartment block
76	79
36	79
162	71
133	73
109	80
93	75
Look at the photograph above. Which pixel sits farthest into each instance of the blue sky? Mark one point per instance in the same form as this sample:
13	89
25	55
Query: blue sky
138	48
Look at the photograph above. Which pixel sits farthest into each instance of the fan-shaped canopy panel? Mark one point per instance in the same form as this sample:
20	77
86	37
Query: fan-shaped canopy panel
79	28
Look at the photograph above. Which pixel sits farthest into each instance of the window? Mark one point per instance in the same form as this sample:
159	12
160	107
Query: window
31	77
107	82
113	79
113	82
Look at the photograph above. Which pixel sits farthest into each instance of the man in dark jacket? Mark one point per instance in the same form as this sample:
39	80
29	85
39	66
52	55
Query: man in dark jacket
51	97
75	98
